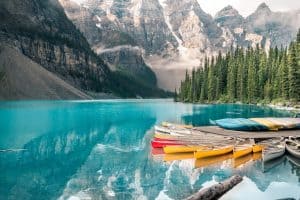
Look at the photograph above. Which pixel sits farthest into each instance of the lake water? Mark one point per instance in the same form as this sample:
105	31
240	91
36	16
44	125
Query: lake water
100	150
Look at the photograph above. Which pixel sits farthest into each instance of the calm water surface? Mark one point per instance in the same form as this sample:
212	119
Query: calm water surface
100	150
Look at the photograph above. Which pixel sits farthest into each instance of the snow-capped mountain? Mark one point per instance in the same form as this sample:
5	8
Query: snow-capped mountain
175	35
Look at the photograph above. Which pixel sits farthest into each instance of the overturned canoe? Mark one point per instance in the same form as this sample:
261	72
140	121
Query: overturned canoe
183	148
217	151
271	124
293	148
240	124
258	124
242	150
285	123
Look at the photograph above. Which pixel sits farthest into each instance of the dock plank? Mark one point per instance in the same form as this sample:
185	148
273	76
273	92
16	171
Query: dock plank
247	134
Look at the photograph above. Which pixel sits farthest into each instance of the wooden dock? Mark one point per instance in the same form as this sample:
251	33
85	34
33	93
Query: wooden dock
247	134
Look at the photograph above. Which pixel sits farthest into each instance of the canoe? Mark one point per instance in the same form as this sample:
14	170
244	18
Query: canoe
257	148
217	151
240	124
285	123
168	124
293	148
273	151
162	129
257	156
203	162
161	144
173	131
165	139
178	156
163	136
272	126
182	148
242	150
295	138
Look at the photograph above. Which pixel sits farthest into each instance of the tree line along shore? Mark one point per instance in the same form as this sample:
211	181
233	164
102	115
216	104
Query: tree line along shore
249	75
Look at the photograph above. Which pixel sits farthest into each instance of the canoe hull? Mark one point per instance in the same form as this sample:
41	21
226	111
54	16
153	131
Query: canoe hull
242	152
272	155
161	144
213	152
292	151
257	148
182	149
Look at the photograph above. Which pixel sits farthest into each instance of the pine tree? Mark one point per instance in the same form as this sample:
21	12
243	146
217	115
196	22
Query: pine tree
294	76
284	77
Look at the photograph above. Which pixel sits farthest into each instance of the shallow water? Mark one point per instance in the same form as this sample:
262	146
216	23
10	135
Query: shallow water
100	150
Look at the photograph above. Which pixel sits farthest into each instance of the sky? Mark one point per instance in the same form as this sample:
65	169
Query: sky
245	7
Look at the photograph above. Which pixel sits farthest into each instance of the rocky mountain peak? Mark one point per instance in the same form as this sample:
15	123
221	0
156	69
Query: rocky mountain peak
263	8
228	11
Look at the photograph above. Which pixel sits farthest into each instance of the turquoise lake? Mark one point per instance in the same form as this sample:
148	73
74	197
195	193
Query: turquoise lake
100	150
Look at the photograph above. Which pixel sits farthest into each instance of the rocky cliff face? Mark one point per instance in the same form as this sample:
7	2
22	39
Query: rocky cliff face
41	31
130	61
177	33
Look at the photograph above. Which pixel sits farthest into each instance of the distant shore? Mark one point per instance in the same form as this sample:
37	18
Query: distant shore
295	109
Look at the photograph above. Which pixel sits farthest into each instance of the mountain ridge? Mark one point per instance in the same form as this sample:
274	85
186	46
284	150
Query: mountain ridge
172	34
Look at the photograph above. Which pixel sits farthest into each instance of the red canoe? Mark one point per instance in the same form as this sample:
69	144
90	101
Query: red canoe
161	144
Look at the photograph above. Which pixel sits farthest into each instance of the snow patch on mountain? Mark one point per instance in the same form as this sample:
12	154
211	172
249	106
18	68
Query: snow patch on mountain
182	50
135	11
238	30
254	38
99	22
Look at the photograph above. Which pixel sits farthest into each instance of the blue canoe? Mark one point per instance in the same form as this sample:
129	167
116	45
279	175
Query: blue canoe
240	124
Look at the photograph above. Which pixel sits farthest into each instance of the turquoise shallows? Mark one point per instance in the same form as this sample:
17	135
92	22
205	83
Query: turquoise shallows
100	150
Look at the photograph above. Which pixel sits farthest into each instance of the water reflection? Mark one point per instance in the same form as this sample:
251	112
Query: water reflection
100	150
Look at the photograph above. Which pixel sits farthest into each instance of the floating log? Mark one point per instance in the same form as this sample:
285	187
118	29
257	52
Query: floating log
217	190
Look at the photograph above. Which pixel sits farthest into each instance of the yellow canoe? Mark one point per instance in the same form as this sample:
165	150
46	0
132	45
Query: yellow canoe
268	123
242	150
168	124
257	156
163	136
242	160
178	156
182	149
213	152
257	148
203	162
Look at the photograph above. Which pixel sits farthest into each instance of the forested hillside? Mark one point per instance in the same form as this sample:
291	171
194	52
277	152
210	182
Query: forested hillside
246	75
